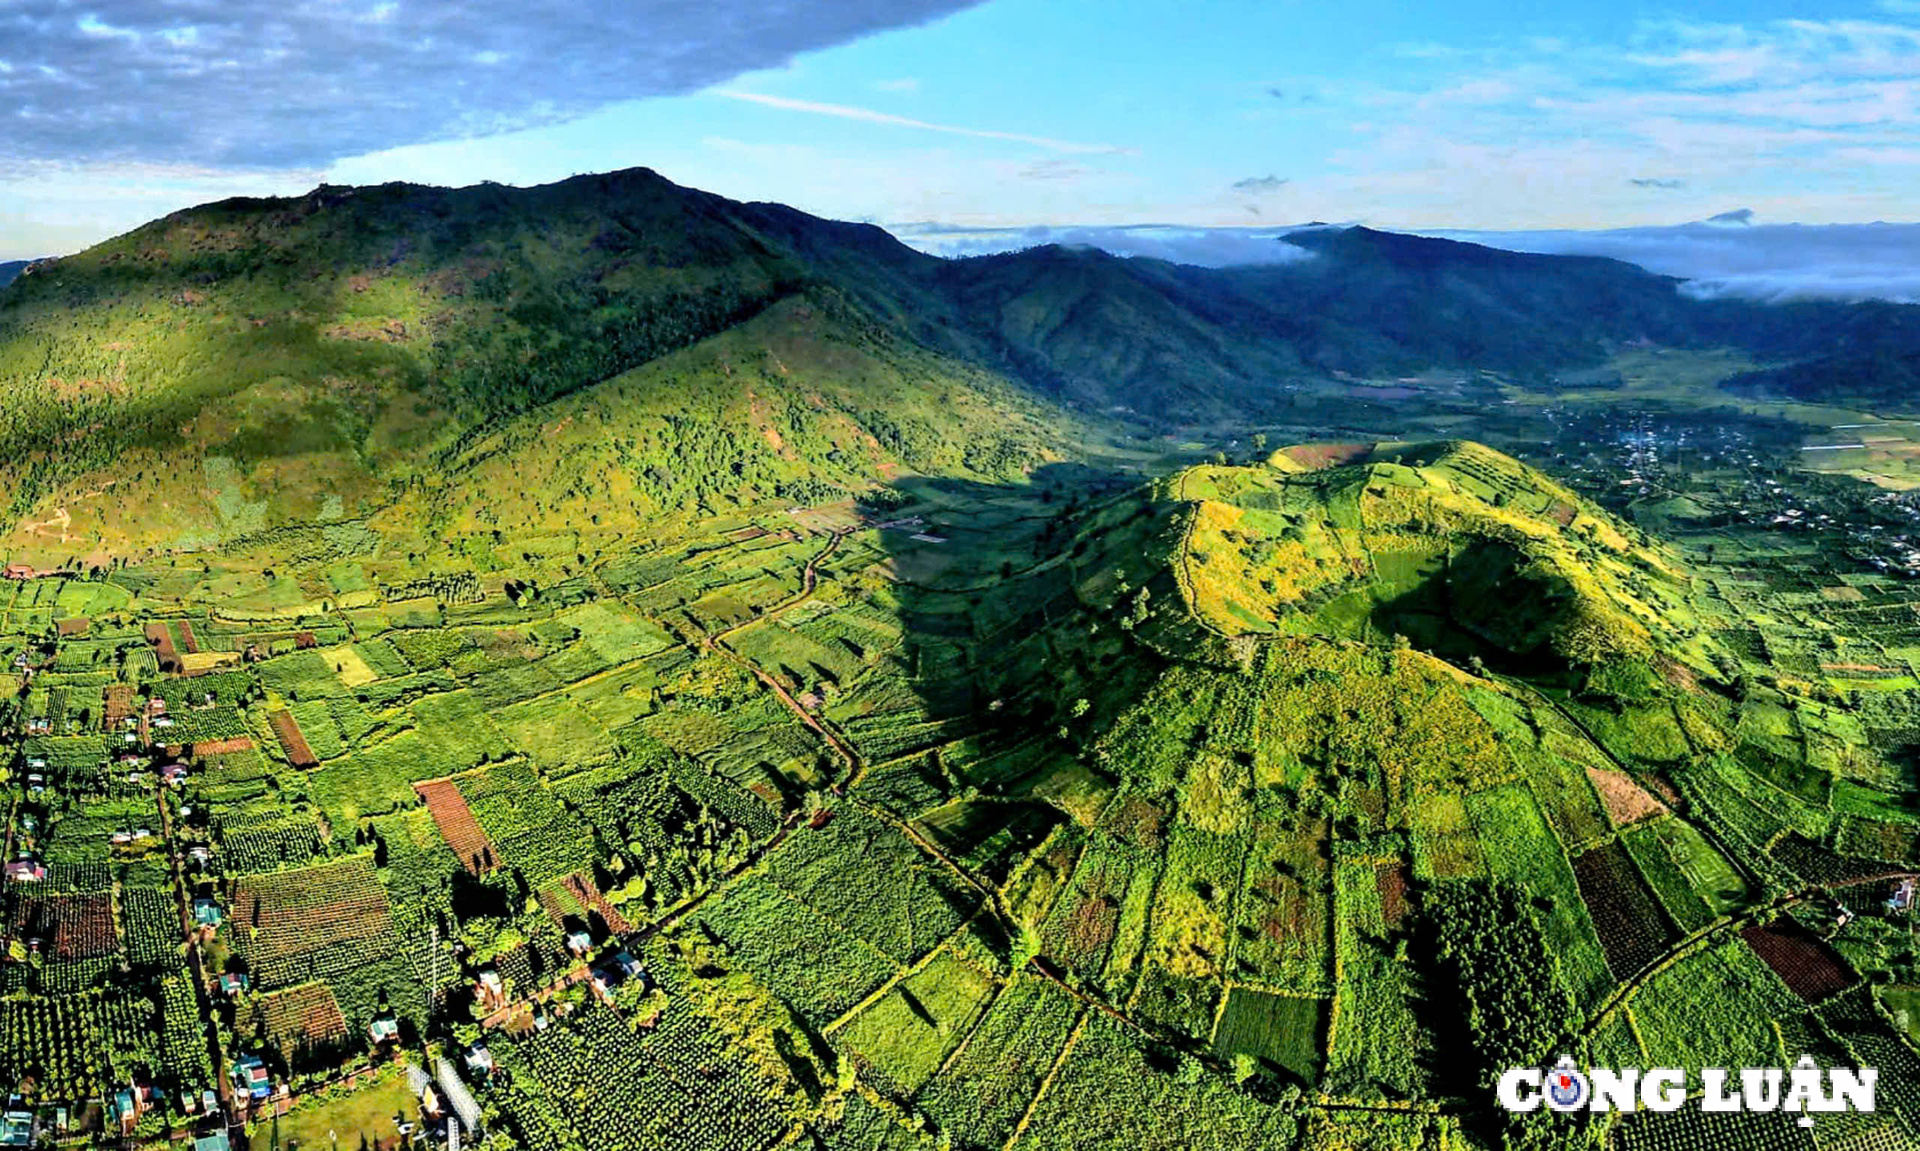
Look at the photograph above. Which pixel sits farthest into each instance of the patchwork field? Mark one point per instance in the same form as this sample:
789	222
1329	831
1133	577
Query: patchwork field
1203	811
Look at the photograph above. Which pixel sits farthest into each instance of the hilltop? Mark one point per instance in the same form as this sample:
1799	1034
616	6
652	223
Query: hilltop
1451	546
354	353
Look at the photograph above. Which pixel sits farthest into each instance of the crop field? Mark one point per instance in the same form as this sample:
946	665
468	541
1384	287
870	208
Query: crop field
65	926
1633	930
1808	966
457	825
801	955
905	1036
266	839
904	919
1677	1021
317	922
981	1095
848	827
1520	847
296	1020
527	828
1286	1030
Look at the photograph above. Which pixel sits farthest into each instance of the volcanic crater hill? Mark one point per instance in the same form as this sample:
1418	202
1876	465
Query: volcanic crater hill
1463	551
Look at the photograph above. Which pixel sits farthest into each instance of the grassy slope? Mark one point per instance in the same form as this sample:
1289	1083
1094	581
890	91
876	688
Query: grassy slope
236	368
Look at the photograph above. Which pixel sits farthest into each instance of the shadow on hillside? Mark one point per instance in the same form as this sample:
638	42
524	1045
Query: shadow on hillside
1000	589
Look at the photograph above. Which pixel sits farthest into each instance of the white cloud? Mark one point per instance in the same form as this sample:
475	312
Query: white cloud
1206	247
1758	261
304	82
1754	261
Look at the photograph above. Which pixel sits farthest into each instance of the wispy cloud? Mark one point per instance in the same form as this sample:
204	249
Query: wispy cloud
1054	168
870	116
1656	182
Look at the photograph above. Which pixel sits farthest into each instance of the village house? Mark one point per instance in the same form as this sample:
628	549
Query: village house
489	986
480	1060
1903	895
384	1029
26	870
250	1075
16	1126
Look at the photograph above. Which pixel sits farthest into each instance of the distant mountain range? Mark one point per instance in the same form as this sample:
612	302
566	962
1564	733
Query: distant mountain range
418	344
11	269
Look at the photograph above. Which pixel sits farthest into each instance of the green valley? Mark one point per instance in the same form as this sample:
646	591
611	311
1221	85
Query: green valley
658	672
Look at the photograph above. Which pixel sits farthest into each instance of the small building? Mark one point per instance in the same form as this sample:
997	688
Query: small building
250	1075
19	571
1903	895
628	965
174	774
26	871
212	1141
209	1101
16	1126
233	983
606	977
125	1109
489	986
206	912
579	942
200	854
384	1029
480	1060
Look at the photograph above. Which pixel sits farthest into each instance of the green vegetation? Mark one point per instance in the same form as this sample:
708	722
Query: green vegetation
713	672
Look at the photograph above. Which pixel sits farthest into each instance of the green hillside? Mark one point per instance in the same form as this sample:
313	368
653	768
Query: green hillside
363	352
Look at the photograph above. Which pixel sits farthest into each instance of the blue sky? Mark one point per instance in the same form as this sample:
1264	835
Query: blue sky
1205	113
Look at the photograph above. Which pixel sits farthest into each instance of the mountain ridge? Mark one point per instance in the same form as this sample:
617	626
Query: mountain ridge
361	338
